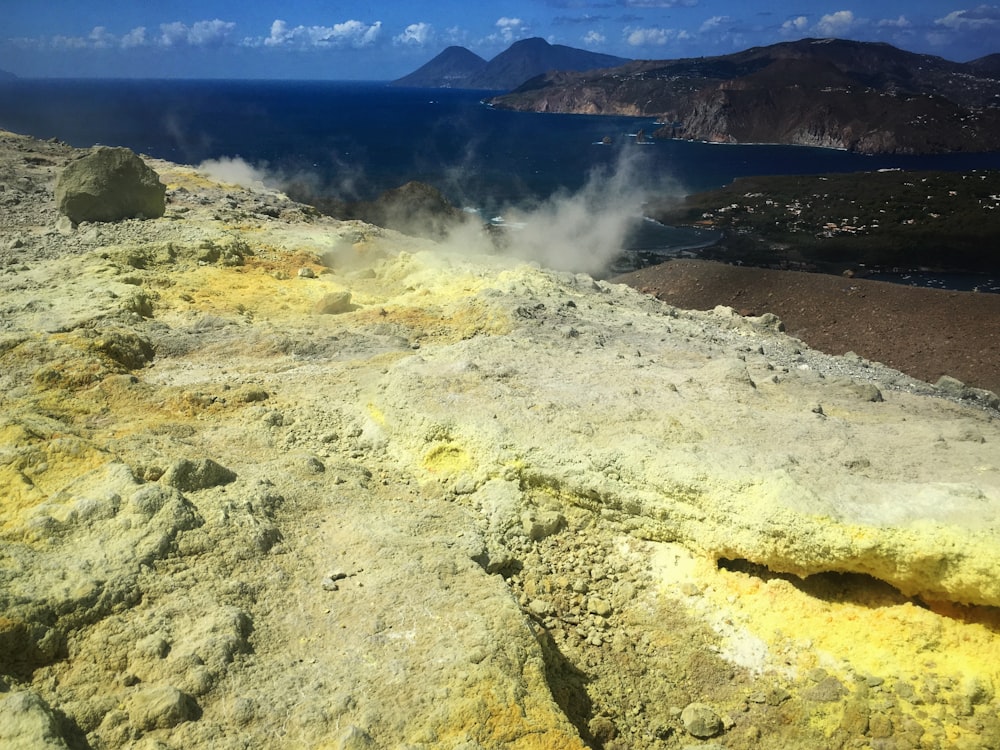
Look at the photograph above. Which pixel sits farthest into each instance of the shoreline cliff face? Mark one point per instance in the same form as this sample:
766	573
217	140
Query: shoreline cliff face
869	98
271	479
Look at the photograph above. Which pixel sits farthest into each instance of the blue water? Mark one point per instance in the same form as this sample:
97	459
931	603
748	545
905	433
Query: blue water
354	140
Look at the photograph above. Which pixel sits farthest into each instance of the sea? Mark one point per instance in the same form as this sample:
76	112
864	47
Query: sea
353	140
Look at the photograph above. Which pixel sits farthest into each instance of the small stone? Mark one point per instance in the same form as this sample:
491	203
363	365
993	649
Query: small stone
329	584
602	729
777	696
598	606
334	303
27	721
827	690
539	524
701	721
64	226
188	476
855	718
307	273
355	739
252	394
314	465
951	386
540	607
868	392
160	707
880	726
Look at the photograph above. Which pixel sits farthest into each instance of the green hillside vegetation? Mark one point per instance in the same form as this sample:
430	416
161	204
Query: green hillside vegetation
946	221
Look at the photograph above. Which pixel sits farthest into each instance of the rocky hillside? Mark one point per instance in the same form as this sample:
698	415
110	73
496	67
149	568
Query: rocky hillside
457	67
270	479
871	98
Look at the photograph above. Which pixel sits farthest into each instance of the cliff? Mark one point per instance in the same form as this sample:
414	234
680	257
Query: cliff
457	67
276	480
865	97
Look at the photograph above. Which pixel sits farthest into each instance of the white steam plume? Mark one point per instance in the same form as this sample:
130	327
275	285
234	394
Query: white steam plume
586	230
235	171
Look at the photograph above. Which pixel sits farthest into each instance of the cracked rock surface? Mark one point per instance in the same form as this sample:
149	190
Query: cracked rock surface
476	504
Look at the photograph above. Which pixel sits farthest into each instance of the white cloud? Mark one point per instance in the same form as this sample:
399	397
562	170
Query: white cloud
135	38
101	38
795	25
511	28
417	34
592	38
61	42
212	33
895	23
652	36
199	34
836	24
347	34
976	19
715	22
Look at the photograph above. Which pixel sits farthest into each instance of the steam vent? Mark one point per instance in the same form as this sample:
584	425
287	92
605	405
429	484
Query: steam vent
273	480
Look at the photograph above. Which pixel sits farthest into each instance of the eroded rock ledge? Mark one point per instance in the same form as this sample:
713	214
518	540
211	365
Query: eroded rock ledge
479	504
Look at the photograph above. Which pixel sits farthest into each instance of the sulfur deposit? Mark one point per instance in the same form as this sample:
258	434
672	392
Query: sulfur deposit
268	479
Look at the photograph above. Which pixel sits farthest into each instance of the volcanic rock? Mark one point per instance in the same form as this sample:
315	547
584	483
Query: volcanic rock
109	184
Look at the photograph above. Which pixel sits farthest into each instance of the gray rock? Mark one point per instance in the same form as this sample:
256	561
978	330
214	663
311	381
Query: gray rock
539	524
868	392
598	606
110	184
603	729
26	721
334	303
188	476
827	690
701	721
160	707
540	607
64	226
951	386
355	739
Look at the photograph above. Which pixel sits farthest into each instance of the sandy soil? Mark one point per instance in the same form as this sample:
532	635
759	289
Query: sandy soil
925	333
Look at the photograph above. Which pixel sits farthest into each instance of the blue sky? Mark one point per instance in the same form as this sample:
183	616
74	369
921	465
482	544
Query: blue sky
384	40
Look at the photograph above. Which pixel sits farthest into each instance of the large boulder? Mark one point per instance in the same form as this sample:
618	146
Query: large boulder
110	184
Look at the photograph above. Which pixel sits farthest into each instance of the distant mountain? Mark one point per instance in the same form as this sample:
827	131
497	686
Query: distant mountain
457	67
6	76
989	65
454	69
860	96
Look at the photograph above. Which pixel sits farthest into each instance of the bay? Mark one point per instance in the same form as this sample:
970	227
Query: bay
353	140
